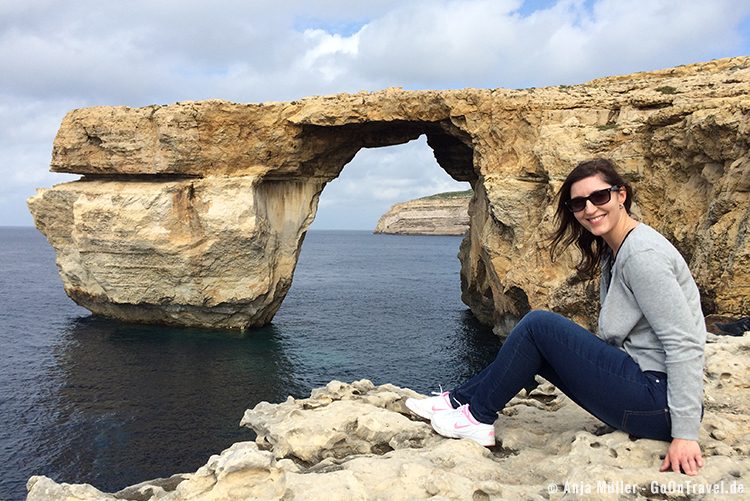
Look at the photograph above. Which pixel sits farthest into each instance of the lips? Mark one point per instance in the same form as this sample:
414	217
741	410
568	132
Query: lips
596	219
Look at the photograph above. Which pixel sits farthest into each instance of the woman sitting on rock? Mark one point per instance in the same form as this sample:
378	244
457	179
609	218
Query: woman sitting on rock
642	373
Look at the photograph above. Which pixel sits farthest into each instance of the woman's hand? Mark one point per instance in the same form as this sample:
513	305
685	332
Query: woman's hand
683	454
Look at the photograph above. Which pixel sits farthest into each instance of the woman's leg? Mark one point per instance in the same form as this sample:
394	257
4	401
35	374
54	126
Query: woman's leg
601	378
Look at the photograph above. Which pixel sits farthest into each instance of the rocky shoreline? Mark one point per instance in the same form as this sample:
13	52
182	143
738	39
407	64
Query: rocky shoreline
358	441
441	214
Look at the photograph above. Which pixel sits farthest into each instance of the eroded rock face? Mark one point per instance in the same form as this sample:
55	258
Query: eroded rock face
194	213
443	214
205	251
358	441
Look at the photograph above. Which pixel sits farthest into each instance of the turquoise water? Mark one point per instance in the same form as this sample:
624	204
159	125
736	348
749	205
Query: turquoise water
85	399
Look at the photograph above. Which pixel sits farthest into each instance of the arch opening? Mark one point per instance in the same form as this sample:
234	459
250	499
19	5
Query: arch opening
377	178
372	305
336	146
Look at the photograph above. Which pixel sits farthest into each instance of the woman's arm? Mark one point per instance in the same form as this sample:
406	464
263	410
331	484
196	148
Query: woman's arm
652	278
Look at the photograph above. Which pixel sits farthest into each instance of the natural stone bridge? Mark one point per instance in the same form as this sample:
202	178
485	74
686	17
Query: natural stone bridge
194	213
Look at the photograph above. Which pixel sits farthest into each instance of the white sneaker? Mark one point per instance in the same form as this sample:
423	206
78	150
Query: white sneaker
459	423
428	407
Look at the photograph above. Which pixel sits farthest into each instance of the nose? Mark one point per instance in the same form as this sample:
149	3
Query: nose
589	208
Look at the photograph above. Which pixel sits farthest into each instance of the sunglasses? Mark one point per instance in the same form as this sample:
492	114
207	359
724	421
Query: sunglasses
598	197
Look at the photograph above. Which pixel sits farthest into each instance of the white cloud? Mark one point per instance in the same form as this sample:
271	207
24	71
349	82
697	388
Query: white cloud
485	43
321	58
26	130
426	43
55	56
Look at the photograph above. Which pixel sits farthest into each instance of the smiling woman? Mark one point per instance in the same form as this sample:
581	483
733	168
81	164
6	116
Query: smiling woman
641	373
594	191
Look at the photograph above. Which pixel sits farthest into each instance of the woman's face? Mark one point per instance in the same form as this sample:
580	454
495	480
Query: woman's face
598	219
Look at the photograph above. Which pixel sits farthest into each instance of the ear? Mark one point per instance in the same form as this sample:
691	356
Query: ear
622	195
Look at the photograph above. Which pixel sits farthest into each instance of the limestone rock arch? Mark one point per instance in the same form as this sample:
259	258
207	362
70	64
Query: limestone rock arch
194	213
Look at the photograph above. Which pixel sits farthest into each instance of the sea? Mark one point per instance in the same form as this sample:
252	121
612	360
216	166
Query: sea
84	399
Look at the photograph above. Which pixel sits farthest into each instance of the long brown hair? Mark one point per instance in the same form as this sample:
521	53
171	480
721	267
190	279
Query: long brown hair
568	230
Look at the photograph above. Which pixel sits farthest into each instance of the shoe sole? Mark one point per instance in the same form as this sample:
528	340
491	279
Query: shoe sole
452	434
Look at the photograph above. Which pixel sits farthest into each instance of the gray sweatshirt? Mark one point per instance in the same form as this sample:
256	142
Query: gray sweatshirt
650	307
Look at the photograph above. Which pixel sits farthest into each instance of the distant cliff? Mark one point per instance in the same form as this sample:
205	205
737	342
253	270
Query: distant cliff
441	214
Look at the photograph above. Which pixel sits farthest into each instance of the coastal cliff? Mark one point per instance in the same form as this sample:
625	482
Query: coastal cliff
195	213
358	441
441	214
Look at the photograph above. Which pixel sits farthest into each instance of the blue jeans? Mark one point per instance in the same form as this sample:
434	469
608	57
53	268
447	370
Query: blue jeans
599	377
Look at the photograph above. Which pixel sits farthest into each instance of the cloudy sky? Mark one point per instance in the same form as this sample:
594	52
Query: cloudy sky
56	55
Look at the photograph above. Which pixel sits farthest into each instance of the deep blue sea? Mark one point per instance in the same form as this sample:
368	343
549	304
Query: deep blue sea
85	399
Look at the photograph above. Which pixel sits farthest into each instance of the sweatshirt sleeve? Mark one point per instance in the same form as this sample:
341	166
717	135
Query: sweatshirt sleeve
652	278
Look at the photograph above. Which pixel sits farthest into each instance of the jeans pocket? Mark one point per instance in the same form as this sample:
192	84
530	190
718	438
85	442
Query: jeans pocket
654	424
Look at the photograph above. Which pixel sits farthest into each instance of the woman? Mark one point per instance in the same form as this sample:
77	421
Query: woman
642	373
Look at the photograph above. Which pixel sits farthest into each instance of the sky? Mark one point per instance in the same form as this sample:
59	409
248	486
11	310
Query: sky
57	55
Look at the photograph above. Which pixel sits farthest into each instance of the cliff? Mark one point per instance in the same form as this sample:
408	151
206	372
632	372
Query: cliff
358	442
194	213
442	214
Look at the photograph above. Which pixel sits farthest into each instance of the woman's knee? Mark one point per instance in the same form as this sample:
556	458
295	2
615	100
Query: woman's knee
539	324
539	318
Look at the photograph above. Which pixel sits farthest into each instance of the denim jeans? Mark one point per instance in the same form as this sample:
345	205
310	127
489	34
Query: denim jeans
599	377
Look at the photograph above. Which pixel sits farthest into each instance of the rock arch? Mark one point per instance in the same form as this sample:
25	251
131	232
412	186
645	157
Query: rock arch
194	213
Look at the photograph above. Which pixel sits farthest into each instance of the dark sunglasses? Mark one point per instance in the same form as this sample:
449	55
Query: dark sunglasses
598	197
